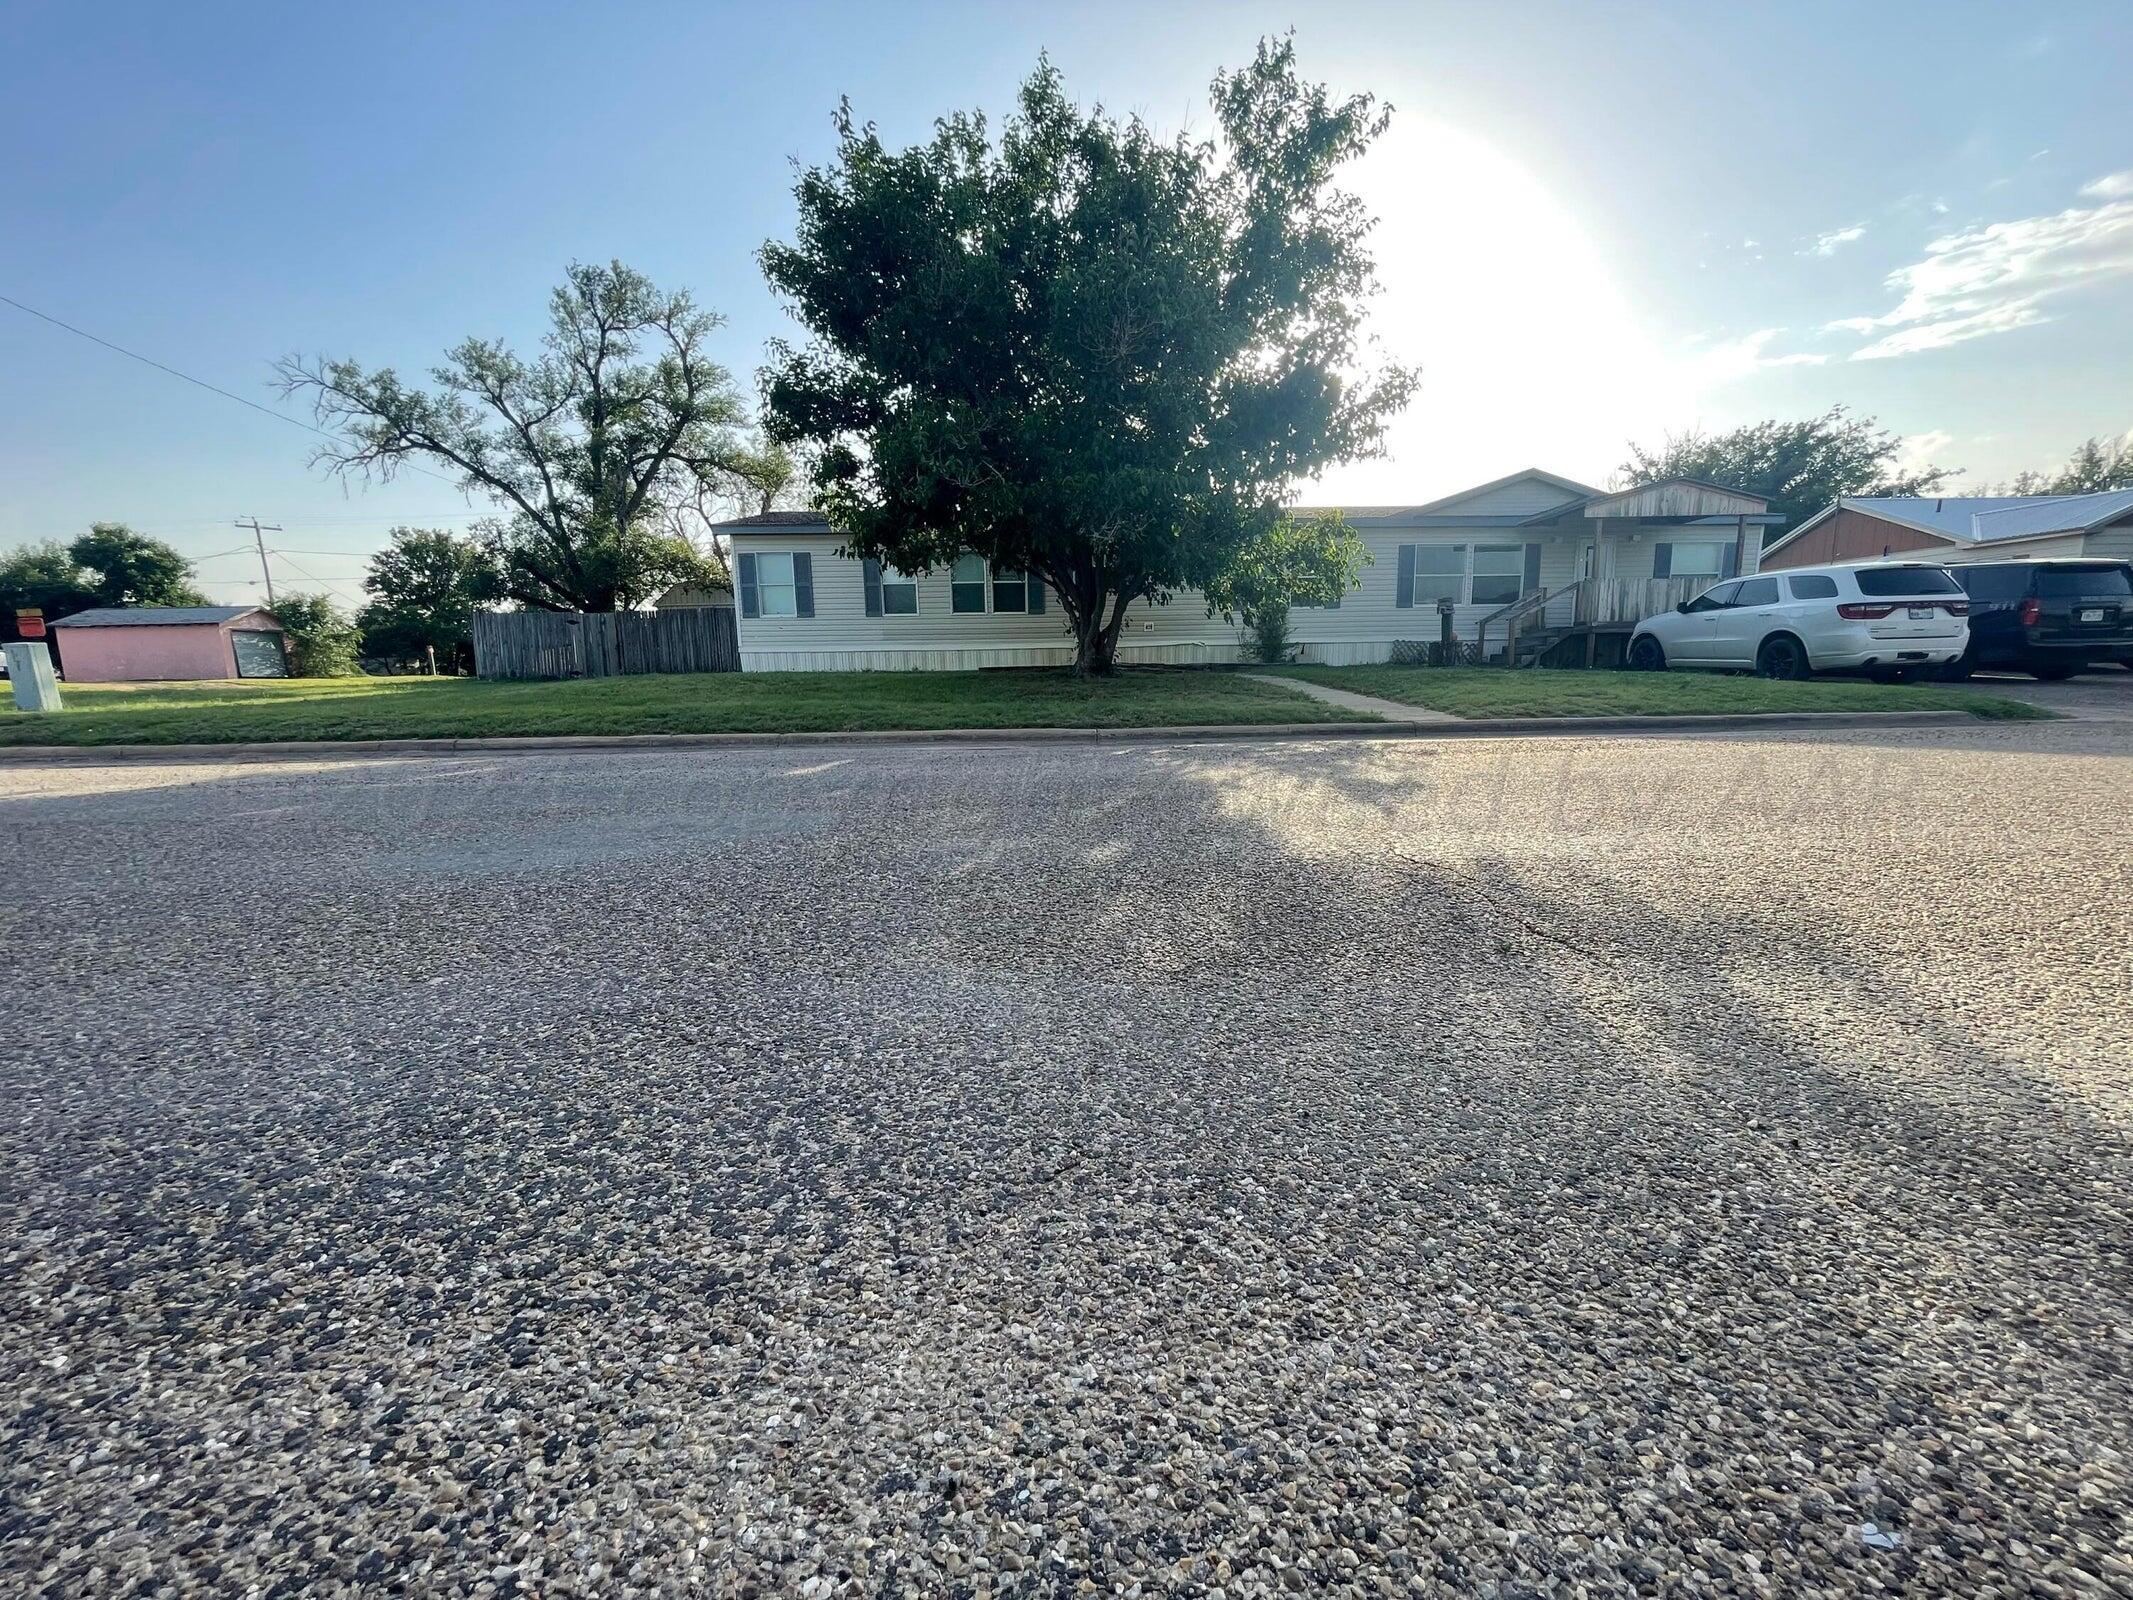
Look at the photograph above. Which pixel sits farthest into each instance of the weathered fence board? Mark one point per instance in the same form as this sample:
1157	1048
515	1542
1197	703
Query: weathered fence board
604	644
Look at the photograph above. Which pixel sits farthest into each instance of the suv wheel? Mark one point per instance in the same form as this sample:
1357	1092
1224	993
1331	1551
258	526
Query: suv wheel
1782	656
2053	672
1960	669
1645	654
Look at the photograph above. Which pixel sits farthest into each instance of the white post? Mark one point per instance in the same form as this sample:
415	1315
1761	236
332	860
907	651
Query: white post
29	669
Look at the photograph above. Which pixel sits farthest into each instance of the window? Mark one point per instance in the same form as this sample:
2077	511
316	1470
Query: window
1440	572
1996	583
1715	599
1499	573
1010	591
1906	580
899	594
966	584
779	591
1813	586
1700	560
2084	583
1756	592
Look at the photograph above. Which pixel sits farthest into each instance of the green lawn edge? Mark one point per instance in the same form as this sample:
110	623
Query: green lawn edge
787	702
1474	692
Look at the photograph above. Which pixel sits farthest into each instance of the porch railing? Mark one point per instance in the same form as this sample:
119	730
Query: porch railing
1605	602
1511	617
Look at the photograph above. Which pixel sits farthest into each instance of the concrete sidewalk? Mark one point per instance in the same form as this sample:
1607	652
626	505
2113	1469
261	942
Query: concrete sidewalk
1349	700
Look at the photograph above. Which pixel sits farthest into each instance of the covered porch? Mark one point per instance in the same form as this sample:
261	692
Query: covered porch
1627	556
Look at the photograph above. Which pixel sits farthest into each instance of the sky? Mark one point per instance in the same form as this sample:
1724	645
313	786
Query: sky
1595	223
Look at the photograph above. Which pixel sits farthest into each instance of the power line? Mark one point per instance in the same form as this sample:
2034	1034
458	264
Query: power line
202	383
315	578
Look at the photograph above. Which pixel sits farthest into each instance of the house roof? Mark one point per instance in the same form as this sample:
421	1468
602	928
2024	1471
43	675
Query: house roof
154	616
1983	518
775	519
1424	514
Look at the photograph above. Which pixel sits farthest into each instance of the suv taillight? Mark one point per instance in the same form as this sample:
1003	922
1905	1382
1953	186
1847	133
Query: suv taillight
2032	609
1863	613
1956	608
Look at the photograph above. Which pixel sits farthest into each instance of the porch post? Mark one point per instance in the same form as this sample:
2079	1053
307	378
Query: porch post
1740	545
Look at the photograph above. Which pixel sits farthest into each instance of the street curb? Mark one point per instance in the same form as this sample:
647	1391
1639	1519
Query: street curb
1480	727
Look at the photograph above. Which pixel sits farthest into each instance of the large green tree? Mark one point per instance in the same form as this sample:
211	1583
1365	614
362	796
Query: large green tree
42	577
1799	466
1081	350
590	447
425	587
110	565
130	569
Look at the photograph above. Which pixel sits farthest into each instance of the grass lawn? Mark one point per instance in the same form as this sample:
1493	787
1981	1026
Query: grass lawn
1494	692
731	702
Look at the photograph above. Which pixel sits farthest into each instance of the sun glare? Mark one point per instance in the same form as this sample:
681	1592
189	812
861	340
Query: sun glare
1529	350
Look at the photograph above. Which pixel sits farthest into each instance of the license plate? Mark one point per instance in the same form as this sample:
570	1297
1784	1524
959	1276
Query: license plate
1922	613
2086	616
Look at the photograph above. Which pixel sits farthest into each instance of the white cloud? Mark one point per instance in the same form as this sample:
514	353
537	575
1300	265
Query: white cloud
1919	449
1729	360
1828	244
2111	186
1996	279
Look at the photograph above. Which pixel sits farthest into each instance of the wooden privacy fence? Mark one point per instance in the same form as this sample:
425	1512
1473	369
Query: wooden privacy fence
604	644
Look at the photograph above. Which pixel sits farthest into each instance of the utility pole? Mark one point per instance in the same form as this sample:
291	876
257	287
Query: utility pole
259	538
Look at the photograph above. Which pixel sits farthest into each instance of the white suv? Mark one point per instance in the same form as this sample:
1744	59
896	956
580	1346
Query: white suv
1891	618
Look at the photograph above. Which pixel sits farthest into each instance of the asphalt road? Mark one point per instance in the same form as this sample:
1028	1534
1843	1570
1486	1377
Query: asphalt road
1507	1168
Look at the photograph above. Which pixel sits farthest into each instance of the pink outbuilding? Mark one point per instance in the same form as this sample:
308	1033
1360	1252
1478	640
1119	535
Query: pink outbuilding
146	644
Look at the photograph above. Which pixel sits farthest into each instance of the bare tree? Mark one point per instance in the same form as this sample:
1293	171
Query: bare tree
589	449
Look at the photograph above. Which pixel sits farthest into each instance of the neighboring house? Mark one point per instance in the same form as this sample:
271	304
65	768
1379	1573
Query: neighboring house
1578	555
138	644
1998	527
688	597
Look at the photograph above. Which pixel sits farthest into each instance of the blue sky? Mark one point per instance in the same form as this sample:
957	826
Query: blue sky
1596	223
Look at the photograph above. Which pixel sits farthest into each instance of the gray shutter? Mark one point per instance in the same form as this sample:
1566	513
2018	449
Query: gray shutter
751	597
1036	594
1533	570
1405	595
871	572
1729	561
803	584
1662	560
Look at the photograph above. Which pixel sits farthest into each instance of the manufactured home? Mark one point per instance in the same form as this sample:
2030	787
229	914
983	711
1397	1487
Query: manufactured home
1529	564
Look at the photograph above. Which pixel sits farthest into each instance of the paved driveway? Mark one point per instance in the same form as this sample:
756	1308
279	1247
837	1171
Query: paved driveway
1514	1168
2103	693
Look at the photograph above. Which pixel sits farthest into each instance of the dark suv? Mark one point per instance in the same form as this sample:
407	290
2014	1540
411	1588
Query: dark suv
2050	618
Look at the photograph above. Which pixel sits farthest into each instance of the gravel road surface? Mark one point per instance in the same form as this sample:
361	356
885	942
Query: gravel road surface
1553	1167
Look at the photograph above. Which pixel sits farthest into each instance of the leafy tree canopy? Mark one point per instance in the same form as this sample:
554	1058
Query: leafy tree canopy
425	587
322	642
110	565
1078	349
1800	466
130	569
592	448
